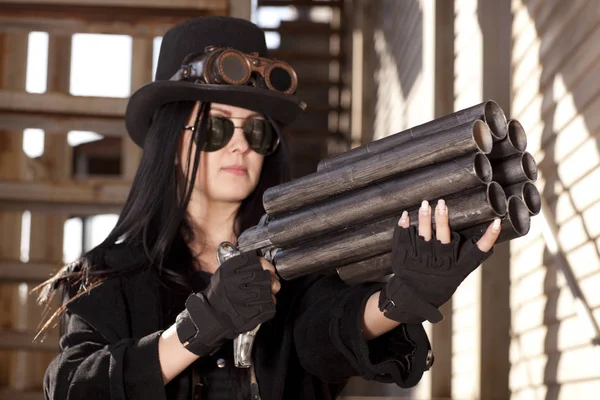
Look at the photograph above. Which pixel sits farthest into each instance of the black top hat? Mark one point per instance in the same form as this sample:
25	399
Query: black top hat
194	36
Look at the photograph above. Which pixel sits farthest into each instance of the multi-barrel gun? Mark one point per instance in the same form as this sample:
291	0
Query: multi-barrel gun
341	218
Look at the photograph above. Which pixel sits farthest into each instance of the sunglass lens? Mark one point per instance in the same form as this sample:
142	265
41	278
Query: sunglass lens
219	133
260	135
280	79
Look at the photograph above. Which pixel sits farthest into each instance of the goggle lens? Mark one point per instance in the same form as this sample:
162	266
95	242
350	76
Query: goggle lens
280	79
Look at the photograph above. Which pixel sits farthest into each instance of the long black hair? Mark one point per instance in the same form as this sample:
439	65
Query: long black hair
154	216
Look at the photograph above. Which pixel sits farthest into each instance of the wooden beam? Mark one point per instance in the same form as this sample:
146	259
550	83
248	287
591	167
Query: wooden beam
287	55
59	63
8	394
24	341
141	73
149	4
47	230
13	63
17	272
128	17
60	103
311	29
298	3
54	22
240	9
82	198
60	112
15	122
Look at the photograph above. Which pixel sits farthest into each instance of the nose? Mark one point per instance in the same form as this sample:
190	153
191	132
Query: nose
238	142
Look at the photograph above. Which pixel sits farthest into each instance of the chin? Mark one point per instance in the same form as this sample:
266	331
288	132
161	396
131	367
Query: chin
233	196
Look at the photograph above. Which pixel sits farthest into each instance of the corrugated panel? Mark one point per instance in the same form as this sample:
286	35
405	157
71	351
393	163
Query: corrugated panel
555	94
399	67
468	84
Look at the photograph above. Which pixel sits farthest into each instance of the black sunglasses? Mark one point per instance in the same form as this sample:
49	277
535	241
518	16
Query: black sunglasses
259	133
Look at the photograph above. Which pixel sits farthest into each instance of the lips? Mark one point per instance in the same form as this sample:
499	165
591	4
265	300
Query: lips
235	169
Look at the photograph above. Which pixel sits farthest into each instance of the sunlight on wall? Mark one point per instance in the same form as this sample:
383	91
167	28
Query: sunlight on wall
97	229
25	236
37	63
75	138
33	142
468	90
73	232
390	115
101	65
155	53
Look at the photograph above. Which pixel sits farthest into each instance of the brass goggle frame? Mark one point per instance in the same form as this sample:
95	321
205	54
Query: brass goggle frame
215	66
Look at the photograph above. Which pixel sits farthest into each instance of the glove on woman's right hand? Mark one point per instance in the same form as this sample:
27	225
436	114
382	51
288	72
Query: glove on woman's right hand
237	299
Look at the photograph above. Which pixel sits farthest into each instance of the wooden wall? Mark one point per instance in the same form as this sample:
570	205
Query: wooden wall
44	187
555	93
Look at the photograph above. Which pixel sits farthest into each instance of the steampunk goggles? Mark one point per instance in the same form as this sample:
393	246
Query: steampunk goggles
219	65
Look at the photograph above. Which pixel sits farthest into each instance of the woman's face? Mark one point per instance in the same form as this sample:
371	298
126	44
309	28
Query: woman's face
231	173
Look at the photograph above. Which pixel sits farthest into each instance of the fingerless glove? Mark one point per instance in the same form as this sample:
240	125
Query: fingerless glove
237	299
426	274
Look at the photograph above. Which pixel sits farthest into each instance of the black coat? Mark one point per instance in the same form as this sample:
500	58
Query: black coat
307	351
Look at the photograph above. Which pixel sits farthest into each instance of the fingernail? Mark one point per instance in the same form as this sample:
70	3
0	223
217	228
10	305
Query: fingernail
403	218
496	225
441	207
425	207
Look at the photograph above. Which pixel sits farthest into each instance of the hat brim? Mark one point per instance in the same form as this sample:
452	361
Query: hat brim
283	108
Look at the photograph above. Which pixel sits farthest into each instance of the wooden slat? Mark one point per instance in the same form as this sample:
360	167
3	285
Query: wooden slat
179	4
13	67
294	55
316	82
311	29
24	341
59	103
15	122
299	3
12	271
74	198
63	25
130	17
58	112
18	395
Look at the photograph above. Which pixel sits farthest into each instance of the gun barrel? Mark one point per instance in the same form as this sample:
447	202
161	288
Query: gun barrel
488	111
381	199
466	138
373	268
479	205
515	169
515	142
529	193
515	224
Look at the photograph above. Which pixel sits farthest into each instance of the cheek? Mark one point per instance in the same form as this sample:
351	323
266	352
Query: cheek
256	162
206	168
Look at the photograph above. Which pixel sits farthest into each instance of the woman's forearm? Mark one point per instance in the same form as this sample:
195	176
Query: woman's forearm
173	357
374	323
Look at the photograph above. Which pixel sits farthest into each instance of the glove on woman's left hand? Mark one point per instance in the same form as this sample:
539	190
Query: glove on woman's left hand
429	265
426	274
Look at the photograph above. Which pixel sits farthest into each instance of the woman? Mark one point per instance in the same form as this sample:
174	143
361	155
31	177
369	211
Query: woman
150	312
